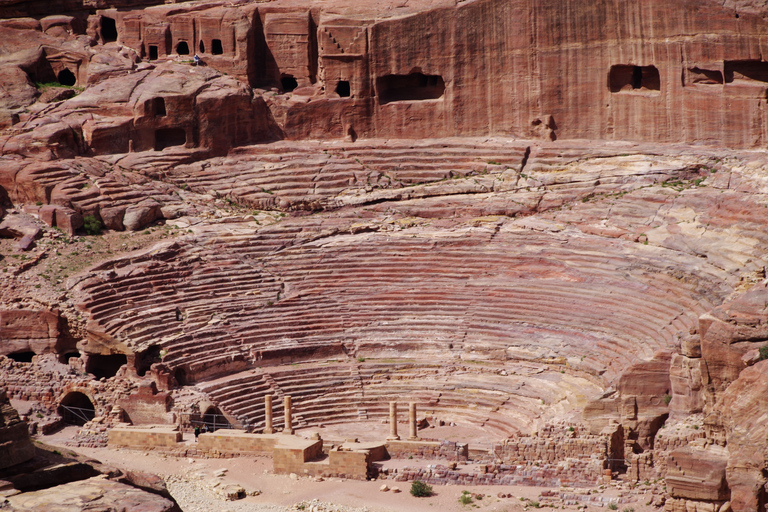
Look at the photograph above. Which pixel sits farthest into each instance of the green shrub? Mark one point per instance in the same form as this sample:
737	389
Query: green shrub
465	499
92	225
763	352
613	506
420	489
667	399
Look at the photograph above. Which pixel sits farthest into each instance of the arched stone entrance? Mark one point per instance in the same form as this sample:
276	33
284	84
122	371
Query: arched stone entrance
76	408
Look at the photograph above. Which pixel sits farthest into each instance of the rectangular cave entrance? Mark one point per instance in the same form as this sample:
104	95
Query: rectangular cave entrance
168	137
413	87
108	29
624	78
153	52
748	70
216	48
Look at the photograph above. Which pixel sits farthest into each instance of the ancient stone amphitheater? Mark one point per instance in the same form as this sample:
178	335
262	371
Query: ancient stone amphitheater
521	215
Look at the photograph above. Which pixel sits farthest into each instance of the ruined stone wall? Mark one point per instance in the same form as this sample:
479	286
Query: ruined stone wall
144	438
567	473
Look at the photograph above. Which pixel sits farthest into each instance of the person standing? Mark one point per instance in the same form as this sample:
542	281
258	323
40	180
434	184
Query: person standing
197	432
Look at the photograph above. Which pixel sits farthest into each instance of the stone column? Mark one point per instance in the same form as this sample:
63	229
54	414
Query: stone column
393	422
268	428
412	420
288	419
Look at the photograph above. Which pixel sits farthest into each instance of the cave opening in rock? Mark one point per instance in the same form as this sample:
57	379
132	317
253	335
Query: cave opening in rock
342	88
145	359
158	107
22	357
413	87
216	48
181	377
182	48
104	366
168	137
214	419
633	78
65	357
153	52
748	70
66	77
201	47
76	409
108	29
288	83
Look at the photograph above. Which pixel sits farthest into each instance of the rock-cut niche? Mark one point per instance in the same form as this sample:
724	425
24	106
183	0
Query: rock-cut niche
108	29
413	87
66	77
626	78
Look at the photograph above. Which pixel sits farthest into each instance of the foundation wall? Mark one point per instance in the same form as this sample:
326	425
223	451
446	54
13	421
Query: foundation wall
144	438
236	442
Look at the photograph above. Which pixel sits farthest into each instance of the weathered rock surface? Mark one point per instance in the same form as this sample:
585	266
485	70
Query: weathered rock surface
28	331
77	496
15	445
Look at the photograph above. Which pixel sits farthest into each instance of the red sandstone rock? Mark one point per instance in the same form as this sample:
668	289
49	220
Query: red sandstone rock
730	331
25	330
698	474
741	411
15	445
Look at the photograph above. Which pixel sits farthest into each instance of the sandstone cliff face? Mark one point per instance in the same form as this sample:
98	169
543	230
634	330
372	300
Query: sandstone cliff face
29	331
668	72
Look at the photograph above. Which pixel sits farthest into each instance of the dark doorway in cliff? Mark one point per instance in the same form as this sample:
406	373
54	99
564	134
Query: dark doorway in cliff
748	70
182	48
181	377
168	137
623	78
216	48
22	357
153	52
145	360
413	87
76	409
64	358
214	419
201	47
66	77
108	29
342	89
104	366
288	83
158	107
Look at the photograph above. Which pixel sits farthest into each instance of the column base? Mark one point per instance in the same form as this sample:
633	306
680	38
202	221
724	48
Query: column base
288	431
268	431
415	438
393	438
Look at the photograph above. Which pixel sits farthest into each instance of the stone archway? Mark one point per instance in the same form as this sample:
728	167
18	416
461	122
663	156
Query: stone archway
76	408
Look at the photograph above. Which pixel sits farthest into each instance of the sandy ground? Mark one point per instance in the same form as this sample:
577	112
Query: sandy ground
193	483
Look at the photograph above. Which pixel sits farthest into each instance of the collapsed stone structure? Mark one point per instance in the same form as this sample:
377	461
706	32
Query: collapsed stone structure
504	271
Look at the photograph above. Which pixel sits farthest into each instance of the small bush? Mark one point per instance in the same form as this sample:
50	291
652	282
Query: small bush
465	499
92	225
667	399
420	489
360	359
628	509
613	506
763	352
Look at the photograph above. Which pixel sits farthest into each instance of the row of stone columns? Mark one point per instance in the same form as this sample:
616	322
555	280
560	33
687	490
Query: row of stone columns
393	422
288	405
